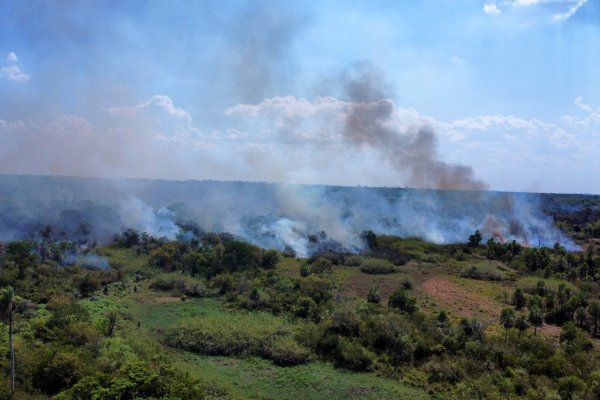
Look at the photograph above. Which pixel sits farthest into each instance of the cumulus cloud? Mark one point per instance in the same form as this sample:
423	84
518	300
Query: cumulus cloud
579	103
298	140
531	10
14	73
491	9
166	103
575	5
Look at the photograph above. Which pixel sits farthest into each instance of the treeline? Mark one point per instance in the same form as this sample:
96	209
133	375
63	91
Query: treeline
65	339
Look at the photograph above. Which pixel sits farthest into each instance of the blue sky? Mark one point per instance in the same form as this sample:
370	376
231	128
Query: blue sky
196	90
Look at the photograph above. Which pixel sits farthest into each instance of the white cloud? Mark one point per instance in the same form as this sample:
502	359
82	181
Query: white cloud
14	73
491	9
535	10
166	103
570	12
291	139
12	57
526	2
579	103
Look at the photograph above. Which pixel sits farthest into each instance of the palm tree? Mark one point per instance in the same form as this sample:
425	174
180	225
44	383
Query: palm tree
6	310
507	319
594	311
536	318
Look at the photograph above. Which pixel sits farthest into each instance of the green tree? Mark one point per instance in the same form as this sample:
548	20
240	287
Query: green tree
569	332
594	312
519	299
20	254
521	323
373	296
6	310
507	319
475	239
442	319
401	300
571	387
536	318
580	316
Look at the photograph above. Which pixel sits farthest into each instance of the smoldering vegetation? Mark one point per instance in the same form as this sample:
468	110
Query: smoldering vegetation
301	218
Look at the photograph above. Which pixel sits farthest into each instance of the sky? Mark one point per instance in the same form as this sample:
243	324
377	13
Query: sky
503	94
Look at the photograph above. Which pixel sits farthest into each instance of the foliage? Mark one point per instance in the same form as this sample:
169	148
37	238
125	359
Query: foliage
377	266
402	300
484	273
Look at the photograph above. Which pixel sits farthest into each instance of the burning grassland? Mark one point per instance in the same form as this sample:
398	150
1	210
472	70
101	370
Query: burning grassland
302	219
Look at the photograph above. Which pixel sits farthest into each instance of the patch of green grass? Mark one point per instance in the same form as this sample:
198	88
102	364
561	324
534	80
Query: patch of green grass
254	378
531	282
491	290
164	315
128	259
290	266
251	377
101	306
414	247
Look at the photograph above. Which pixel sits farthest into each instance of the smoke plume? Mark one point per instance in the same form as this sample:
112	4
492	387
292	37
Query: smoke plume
369	122
304	218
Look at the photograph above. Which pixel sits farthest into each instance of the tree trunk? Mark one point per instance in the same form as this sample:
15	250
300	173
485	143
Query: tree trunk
595	325
11	349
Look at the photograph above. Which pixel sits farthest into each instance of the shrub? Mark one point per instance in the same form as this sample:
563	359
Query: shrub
377	266
269	259
285	351
178	284
304	270
352	355
373	296
306	307
401	300
484	273
321	266
237	334
223	282
353	261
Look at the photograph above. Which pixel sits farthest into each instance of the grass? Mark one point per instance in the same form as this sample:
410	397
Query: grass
126	257
251	377
416	248
254	378
490	289
531	282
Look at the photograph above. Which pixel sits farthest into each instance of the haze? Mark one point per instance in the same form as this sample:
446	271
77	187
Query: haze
440	94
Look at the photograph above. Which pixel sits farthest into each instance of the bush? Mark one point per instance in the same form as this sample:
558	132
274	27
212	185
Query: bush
321	266
377	266
178	285
269	259
224	283
401	300
352	355
285	351
353	261
237	334
373	296
484	273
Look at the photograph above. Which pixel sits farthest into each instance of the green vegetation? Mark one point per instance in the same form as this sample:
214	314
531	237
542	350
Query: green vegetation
220	318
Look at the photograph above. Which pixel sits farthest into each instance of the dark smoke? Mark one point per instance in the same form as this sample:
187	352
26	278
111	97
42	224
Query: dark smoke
369	122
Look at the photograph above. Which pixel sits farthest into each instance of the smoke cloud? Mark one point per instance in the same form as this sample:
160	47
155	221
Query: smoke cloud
304	218
369	122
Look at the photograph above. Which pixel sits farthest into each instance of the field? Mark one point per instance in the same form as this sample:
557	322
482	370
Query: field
223	319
